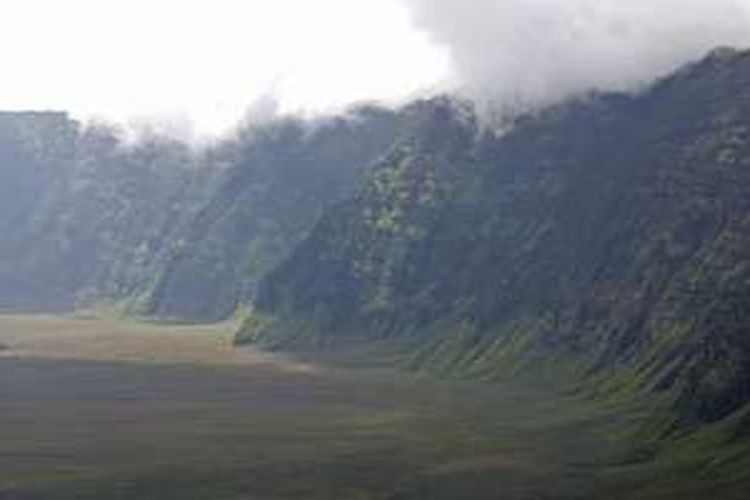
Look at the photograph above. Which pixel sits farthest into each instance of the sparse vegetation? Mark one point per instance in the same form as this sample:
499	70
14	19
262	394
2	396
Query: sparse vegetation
568	301
138	420
604	239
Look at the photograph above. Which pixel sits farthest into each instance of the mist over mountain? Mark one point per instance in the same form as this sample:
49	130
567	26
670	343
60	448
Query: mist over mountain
375	249
152	225
599	243
87	215
513	55
279	177
604	238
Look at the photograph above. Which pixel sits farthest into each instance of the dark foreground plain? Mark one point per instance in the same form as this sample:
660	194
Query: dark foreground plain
100	409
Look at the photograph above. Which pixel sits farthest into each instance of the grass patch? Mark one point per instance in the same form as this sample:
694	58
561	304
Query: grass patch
119	415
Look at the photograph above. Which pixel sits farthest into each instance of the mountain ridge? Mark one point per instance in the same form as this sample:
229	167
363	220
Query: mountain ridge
607	235
605	238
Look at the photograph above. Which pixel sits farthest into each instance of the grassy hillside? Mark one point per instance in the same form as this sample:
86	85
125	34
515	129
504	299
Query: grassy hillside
603	240
157	227
279	178
85	216
120	410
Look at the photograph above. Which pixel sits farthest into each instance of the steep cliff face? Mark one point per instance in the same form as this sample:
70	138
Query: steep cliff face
36	157
83	216
609	236
277	182
157	227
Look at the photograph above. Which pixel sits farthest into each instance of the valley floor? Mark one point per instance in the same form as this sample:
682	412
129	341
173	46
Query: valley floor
103	409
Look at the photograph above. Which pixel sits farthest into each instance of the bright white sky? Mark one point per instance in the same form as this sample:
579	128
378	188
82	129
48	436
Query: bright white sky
207	60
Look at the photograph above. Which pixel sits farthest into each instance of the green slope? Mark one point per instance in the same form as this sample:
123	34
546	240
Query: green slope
603	240
157	227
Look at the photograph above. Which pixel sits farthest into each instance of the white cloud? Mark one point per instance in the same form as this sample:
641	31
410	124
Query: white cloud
206	60
521	52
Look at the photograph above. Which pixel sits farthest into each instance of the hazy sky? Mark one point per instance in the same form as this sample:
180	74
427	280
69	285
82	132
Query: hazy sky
521	52
206	61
